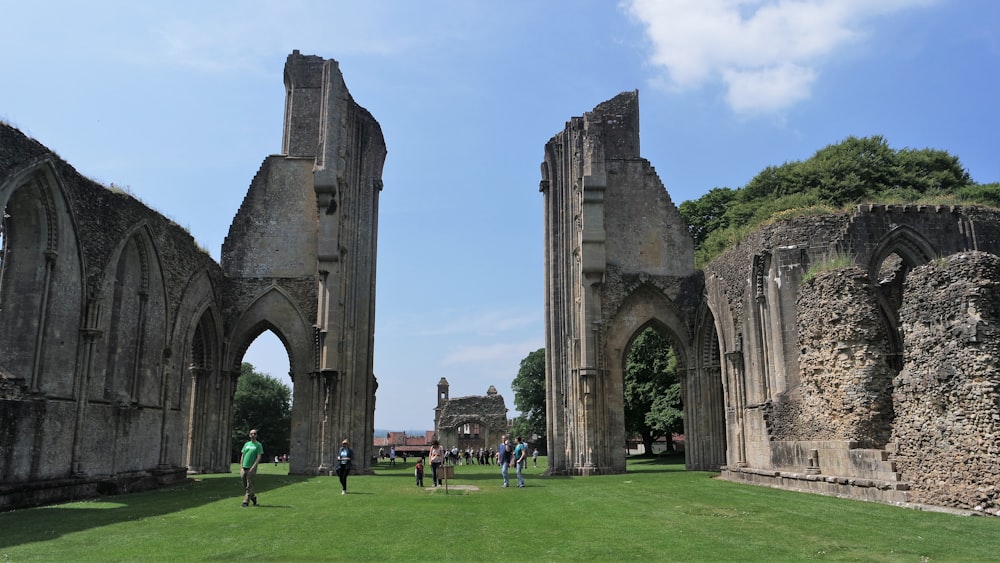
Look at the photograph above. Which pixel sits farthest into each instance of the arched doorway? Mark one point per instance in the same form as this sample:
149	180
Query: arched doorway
269	414
653	399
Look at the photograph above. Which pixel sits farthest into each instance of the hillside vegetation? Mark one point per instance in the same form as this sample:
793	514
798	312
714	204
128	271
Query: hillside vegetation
856	170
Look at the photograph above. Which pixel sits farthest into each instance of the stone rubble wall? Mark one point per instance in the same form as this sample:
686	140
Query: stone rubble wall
857	415
846	381
947	428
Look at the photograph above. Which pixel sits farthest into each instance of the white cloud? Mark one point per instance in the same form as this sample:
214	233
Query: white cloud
764	52
768	89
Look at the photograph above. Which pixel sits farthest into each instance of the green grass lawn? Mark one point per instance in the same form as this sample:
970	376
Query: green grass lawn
655	512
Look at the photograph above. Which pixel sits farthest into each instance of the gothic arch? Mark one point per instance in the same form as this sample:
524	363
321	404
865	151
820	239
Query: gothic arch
704	399
645	306
133	294
206	390
911	250
275	310
41	290
905	241
129	368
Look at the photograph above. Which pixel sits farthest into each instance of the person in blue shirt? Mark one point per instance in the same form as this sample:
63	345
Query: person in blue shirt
344	457
520	460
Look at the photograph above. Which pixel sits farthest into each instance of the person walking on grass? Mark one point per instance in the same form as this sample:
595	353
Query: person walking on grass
437	458
344	457
534	457
503	459
418	470
252	453
520	460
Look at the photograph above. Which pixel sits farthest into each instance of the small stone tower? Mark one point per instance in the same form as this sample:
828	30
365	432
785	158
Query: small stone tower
442	400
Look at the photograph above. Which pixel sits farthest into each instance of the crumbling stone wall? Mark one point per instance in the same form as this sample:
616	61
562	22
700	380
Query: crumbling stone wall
845	390
947	428
861	400
812	236
95	293
488	411
116	329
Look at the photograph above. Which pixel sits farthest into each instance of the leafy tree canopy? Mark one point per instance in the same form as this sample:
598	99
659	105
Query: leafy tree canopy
856	170
264	403
653	406
529	396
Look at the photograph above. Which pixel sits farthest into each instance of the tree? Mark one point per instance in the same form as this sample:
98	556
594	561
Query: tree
264	403
653	406
856	170
529	397
707	213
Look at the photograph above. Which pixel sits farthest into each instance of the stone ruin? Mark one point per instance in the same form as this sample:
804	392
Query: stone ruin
122	340
876	380
472	422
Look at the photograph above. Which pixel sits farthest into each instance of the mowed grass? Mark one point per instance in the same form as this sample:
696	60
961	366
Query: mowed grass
655	512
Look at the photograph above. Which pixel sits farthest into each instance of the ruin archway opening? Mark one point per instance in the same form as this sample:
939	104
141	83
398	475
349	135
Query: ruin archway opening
894	257
269	357
652	389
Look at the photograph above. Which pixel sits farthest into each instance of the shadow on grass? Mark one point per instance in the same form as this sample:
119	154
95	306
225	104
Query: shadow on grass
49	522
663	463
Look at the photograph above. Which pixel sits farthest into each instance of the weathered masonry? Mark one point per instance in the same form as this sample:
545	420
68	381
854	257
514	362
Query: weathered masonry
878	380
473	422
618	259
121	340
300	261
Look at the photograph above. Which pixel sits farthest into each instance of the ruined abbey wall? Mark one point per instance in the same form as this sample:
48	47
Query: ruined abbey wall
845	377
485	414
872	380
946	436
96	298
847	353
122	341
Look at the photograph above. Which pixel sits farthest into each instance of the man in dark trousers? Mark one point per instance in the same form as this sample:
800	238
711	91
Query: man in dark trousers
252	452
344	457
503	459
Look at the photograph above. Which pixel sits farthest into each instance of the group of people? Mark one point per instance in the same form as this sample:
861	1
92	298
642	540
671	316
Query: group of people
506	455
392	455
517	456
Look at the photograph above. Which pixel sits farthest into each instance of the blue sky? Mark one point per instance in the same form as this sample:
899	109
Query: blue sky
181	101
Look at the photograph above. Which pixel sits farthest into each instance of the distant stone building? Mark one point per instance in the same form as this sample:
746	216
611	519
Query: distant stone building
472	422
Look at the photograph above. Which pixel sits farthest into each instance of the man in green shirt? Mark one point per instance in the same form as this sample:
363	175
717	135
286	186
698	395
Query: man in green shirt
253	451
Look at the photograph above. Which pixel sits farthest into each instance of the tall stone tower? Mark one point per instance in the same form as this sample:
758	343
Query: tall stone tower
300	261
618	259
